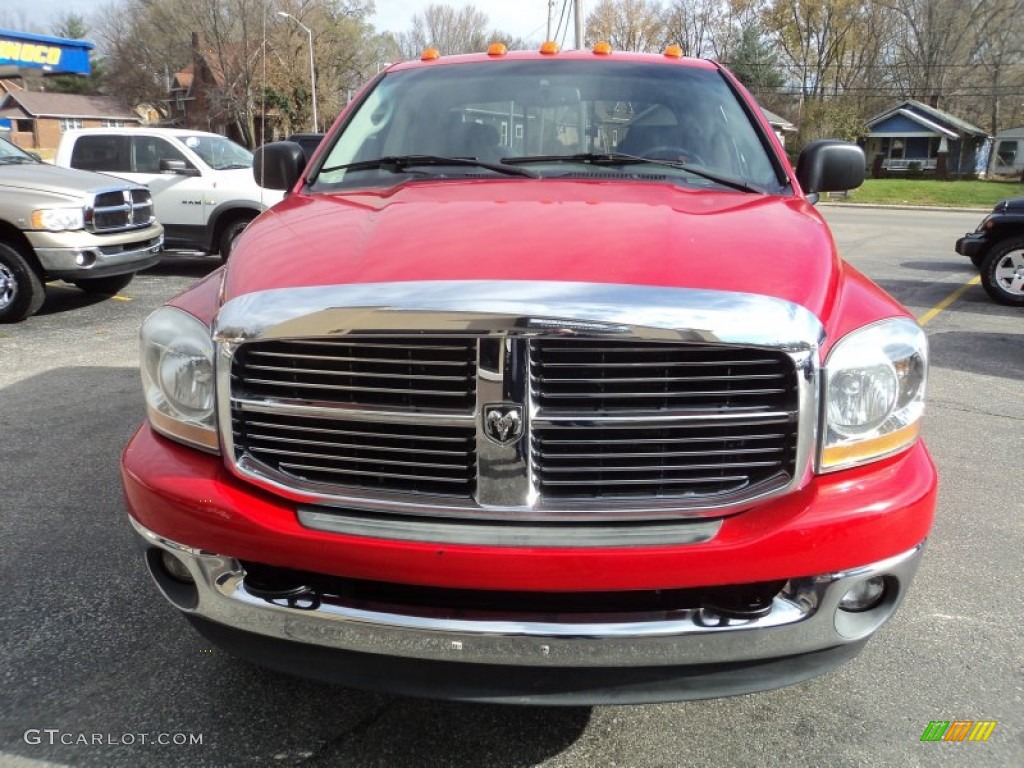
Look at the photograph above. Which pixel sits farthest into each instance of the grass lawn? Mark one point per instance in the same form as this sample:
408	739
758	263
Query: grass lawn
966	194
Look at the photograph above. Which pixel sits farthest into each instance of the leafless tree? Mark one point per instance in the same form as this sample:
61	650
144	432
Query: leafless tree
697	25
629	25
449	30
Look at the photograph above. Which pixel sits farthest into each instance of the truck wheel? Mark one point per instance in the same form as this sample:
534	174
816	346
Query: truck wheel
978	259
1002	272
109	285
230	234
21	290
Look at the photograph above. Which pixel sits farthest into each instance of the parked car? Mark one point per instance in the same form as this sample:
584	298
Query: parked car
569	398
58	224
308	141
996	247
201	182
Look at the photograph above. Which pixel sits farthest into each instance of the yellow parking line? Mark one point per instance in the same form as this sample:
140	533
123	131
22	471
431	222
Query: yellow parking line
944	304
122	298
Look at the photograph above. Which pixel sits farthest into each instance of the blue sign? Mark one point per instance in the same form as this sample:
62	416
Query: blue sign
50	54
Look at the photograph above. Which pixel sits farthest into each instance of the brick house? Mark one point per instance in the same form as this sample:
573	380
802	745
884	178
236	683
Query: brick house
37	119
199	94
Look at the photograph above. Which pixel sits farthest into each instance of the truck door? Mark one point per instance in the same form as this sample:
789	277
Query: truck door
179	198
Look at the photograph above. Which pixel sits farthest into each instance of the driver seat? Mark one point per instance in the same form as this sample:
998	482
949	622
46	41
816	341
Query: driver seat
643	138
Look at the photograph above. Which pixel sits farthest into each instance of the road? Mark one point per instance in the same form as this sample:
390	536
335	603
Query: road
90	652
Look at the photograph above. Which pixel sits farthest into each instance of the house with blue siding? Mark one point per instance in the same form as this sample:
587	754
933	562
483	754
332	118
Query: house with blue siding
913	135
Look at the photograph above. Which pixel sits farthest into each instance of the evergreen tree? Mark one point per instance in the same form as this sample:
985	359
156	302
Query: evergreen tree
755	62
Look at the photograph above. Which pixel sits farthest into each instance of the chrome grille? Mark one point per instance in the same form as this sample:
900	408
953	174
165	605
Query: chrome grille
334	451
632	376
433	373
687	460
342	440
736	427
631	428
120	209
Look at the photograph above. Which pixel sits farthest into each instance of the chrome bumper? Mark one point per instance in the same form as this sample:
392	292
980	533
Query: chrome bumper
805	618
92	260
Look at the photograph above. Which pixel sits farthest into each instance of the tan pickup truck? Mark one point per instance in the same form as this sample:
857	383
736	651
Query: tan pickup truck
85	228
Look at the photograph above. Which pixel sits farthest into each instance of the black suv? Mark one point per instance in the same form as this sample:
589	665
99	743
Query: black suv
996	248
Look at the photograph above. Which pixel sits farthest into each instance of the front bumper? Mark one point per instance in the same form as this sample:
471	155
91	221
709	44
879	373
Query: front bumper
972	244
838	530
804	634
82	255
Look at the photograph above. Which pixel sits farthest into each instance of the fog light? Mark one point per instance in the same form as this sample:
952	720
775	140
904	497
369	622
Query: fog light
863	596
175	568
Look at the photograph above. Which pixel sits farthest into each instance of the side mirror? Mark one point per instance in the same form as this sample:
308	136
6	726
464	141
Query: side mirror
278	165
830	166
177	167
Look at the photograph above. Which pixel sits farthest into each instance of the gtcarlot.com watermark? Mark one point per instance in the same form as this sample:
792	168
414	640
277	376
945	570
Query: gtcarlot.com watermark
52	736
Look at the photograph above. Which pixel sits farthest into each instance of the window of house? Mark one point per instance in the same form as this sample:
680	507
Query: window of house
113	123
67	123
1006	152
23	126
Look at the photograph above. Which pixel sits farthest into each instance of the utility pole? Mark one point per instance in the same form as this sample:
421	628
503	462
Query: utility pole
551	10
578	6
312	66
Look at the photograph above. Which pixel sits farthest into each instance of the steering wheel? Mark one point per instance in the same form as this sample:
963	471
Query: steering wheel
675	154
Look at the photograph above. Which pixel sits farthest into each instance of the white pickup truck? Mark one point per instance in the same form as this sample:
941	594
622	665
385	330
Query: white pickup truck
202	183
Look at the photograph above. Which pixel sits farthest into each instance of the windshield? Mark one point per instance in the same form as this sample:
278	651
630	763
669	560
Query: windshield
219	153
11	154
607	119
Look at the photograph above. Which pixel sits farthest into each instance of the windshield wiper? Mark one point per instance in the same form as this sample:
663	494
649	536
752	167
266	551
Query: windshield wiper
401	164
620	158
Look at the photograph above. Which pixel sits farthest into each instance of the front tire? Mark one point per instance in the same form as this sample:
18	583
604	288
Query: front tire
1002	272
105	285
21	289
232	231
978	259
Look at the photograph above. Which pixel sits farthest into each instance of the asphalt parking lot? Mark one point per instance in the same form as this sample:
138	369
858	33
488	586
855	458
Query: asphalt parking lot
88	648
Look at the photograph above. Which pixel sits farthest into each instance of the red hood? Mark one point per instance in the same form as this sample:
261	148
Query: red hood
610	232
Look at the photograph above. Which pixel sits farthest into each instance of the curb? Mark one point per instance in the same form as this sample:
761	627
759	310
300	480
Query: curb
948	209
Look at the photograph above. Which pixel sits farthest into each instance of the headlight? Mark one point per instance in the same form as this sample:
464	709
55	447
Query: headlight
874	393
178	377
58	219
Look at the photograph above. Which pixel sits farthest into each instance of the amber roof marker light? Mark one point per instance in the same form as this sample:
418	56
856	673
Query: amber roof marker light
674	52
603	48
430	54
549	47
497	49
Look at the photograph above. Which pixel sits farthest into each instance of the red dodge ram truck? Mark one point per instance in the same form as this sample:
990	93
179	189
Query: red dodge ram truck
545	383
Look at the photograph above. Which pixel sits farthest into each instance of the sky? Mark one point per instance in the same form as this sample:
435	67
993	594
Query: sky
524	18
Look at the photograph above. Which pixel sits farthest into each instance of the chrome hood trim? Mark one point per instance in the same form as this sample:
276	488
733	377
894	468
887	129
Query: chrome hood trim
524	307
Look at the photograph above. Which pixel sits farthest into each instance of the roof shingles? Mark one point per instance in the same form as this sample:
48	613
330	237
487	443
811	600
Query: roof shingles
69	105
